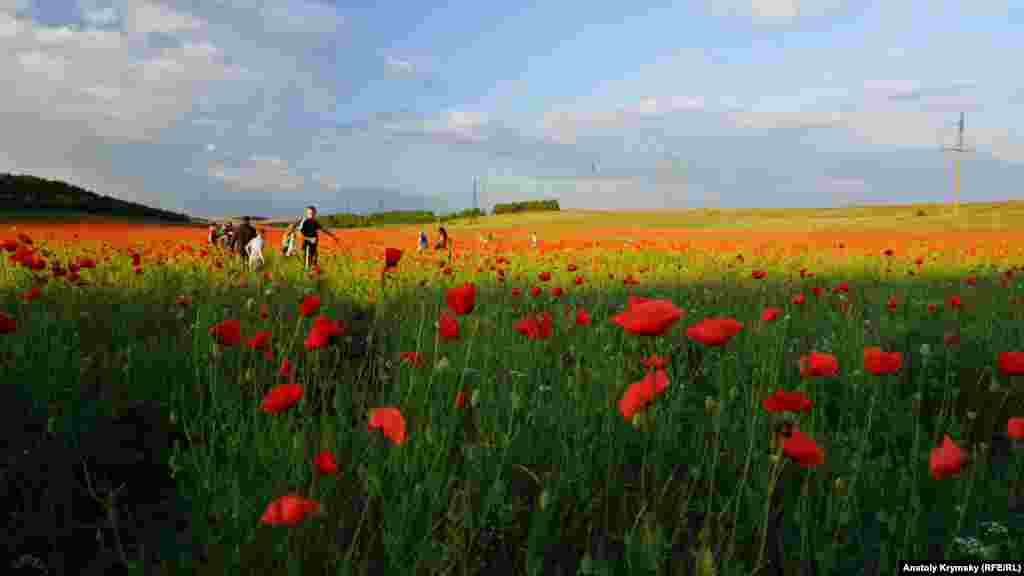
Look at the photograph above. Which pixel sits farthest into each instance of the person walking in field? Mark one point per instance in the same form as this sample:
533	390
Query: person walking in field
243	236
212	234
424	241
288	242
309	228
254	251
442	243
228	238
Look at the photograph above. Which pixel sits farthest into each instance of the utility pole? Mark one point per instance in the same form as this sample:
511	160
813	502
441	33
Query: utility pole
960	148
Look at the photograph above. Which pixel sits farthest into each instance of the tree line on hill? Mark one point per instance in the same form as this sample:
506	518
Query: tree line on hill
26	194
31	194
345	220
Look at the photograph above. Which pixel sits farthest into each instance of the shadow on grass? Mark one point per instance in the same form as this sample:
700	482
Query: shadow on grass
532	479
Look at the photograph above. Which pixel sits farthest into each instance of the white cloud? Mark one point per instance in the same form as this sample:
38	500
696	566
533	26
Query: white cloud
14	6
887	89
791	120
400	66
143	17
259	173
774	10
299	16
100	16
844	190
563	127
327	183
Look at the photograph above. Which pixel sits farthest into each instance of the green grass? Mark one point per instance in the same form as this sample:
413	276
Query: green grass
541	454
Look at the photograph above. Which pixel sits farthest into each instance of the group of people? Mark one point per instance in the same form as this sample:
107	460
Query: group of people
247	241
442	241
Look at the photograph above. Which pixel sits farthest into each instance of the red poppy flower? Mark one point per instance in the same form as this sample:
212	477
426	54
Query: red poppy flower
932	308
972	280
640	394
758	274
31	294
841	288
414	358
878	362
516	292
289	510
955	302
227	333
655	362
891	304
544	276
802	448
326	463
261	341
649	318
390	421
582	318
557	292
535	327
460	398
323	331
1011	363
281	398
818	364
786	401
287	370
264	311
309	306
571	268
714	331
8	324
1015	428
818	291
391	257
946	460
579	280
799	299
771	314
448	327
535	292
461	300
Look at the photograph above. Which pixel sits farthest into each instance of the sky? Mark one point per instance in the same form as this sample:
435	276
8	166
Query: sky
260	107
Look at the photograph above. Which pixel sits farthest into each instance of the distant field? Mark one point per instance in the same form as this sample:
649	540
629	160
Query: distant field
934	217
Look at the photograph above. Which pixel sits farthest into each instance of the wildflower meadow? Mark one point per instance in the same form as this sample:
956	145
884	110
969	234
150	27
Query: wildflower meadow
628	401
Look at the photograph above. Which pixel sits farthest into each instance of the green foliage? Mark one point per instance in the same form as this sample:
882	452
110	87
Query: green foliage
24	193
528	206
471	213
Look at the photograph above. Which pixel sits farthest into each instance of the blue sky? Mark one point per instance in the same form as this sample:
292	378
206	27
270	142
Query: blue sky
218	107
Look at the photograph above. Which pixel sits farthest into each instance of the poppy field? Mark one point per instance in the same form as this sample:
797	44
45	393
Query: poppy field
616	401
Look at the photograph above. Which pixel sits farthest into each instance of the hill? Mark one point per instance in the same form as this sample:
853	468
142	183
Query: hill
25	196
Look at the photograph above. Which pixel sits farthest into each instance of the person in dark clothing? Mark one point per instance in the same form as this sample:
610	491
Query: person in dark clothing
308	229
243	235
442	243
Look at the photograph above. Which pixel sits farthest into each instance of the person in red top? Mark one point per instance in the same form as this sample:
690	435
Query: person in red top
309	228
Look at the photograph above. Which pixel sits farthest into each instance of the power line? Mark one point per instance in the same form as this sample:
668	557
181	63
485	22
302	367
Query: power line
961	148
